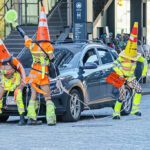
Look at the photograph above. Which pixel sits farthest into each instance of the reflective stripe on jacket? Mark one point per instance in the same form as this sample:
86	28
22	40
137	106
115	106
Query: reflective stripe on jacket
11	83
38	55
126	68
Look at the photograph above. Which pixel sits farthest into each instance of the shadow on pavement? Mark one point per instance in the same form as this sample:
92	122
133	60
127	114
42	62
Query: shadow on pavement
59	119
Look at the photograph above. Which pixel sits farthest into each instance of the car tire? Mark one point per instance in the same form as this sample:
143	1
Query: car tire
127	104
74	107
3	118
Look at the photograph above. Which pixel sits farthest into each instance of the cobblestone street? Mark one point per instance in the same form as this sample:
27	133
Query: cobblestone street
129	133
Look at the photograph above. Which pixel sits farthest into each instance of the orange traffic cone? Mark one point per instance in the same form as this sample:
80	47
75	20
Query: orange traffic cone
4	53
43	31
130	51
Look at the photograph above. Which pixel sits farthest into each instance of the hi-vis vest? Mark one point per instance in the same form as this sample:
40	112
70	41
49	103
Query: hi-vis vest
39	56
126	68
11	83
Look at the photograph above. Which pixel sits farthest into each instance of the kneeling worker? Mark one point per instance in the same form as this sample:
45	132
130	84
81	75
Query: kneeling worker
12	79
125	67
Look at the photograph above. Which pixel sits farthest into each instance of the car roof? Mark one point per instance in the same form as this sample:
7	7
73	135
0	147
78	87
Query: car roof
77	46
73	47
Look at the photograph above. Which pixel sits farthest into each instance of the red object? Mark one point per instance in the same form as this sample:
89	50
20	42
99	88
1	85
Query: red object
4	53
115	80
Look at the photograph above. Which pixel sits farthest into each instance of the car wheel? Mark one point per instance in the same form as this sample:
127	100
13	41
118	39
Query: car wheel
3	118
127	104
74	107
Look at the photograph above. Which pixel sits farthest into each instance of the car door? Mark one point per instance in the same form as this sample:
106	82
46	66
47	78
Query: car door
106	59
91	76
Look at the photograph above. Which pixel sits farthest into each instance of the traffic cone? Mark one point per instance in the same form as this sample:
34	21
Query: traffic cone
130	51
43	31
4	53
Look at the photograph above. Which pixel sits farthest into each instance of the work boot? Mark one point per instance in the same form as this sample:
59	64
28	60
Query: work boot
51	121
117	117
34	122
117	108
22	120
138	113
50	113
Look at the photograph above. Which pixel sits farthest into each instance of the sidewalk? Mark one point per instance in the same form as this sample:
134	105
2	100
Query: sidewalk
146	88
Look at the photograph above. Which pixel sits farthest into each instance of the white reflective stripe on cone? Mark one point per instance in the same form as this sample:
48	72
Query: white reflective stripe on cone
43	24
42	15
1	42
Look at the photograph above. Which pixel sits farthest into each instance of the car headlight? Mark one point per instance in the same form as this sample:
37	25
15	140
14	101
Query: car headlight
55	90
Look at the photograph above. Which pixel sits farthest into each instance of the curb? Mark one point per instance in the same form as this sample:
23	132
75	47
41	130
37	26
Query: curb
146	93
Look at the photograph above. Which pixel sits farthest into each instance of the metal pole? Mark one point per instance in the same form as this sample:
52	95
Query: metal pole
26	15
69	13
19	11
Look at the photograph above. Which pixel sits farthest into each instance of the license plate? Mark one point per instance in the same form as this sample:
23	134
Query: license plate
10	100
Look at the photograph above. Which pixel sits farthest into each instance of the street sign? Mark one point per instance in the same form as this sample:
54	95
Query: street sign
80	18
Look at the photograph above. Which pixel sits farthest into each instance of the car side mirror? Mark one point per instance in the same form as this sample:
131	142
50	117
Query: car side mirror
89	65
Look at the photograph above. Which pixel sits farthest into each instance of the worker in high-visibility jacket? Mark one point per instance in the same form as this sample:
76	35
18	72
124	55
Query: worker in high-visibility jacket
12	79
39	75
125	67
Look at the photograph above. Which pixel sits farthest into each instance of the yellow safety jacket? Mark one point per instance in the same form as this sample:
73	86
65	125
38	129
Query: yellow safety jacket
126	68
38	55
10	84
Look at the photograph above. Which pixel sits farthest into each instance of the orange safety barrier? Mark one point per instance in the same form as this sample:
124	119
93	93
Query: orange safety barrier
115	80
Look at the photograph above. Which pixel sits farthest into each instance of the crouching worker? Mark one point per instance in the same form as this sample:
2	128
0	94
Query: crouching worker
125	67
12	79
42	54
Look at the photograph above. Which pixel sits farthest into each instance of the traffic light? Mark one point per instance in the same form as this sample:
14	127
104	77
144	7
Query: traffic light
120	2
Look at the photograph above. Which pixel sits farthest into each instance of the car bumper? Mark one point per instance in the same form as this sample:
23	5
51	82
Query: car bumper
60	101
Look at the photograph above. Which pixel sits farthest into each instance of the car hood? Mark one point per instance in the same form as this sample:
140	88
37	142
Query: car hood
64	72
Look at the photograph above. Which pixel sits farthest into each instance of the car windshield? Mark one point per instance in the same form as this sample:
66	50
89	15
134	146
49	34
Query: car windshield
64	58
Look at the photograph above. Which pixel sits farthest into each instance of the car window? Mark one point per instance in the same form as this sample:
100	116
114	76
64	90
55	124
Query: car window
115	55
63	57
90	56
105	56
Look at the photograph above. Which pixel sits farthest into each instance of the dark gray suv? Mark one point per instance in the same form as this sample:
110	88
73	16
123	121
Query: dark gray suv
83	68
